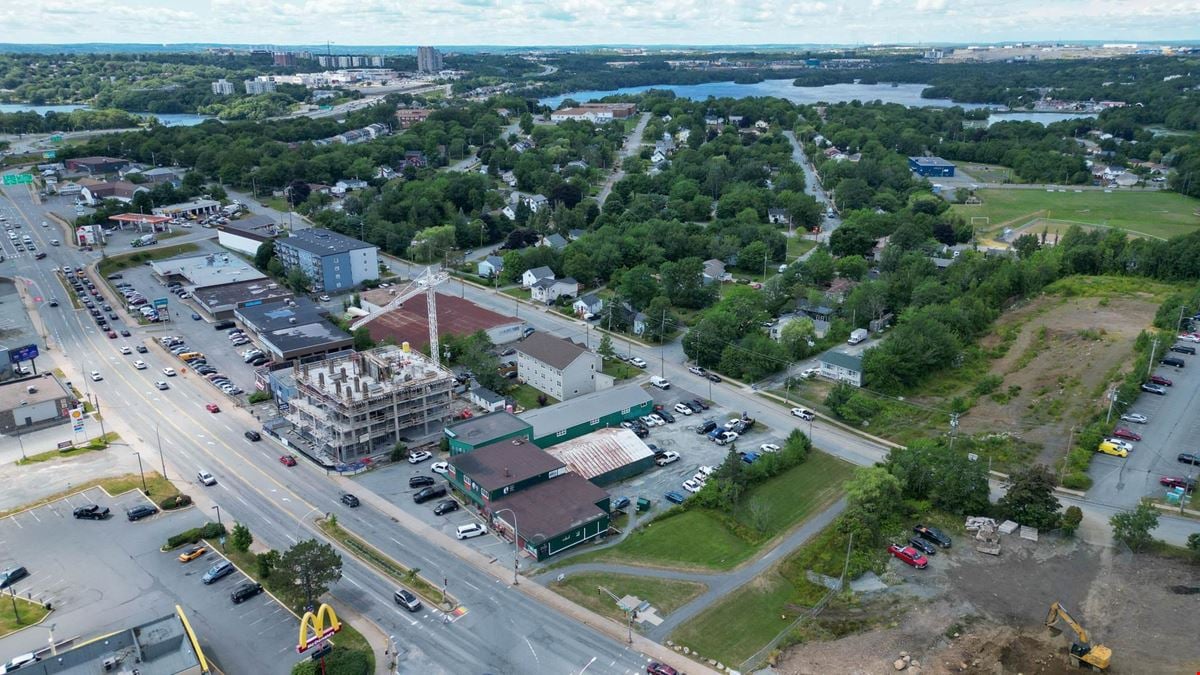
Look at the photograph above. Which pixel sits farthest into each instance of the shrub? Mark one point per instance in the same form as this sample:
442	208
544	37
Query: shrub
988	384
174	502
339	662
1077	481
208	531
1071	519
259	397
266	563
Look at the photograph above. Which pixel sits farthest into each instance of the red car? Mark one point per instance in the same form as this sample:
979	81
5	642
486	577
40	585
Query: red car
212	408
909	555
1122	432
287	460
112	334
1178	482
656	668
1159	379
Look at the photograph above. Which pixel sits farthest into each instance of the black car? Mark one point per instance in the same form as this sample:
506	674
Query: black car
91	512
706	427
124	333
420	481
699	404
141	511
431	492
407	600
350	500
445	506
620	503
922	545
1188	458
932	534
666	415
1183	349
141	349
245	592
253	435
712	378
12	575
1174	361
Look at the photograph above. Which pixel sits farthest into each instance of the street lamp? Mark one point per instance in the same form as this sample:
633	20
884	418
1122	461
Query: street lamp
141	472
218	509
516	537
160	452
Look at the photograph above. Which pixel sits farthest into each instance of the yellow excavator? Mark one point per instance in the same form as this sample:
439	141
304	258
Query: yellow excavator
1084	654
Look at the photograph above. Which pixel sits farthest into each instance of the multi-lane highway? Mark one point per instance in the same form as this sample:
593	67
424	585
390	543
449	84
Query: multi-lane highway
503	630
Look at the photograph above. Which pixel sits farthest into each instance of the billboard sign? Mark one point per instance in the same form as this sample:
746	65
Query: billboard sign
49	154
160	302
26	353
77	419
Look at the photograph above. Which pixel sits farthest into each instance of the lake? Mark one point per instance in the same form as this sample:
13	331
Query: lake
167	119
904	94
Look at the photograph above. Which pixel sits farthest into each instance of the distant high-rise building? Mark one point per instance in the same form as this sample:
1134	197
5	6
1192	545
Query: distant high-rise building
349	61
259	86
222	87
429	59
283	59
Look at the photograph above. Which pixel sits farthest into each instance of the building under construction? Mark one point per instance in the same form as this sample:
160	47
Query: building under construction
357	404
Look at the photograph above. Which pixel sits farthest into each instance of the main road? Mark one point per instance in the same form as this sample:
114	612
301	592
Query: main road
503	630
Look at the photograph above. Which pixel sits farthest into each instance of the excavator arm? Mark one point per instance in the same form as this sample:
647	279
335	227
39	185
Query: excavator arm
1083	652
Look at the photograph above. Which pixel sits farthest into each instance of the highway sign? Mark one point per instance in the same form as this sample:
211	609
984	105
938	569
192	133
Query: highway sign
160	302
26	353
56	138
49	154
18	178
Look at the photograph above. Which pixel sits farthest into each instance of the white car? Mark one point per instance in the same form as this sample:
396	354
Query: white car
440	467
726	438
769	447
324	298
700	477
803	413
658	420
1188	337
206	478
667	458
126	350
419	456
733	422
692	485
169	372
682	409
706	470
162	385
470	530
808	373
1124	445
96	376
650	421
638	361
140	365
1136	418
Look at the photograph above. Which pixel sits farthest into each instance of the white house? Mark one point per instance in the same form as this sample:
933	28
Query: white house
490	266
588	304
486	399
842	367
560	368
549	290
536	202
531	277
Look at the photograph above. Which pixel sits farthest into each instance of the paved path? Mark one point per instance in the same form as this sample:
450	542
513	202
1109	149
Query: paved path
720	584
633	143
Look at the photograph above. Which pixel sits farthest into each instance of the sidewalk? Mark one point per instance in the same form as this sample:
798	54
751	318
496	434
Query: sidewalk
380	644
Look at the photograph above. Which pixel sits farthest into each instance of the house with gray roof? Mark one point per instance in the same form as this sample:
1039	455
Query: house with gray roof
842	367
560	368
555	241
550	290
531	277
490	266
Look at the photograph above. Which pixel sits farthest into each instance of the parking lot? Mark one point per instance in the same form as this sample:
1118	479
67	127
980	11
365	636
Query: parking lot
101	576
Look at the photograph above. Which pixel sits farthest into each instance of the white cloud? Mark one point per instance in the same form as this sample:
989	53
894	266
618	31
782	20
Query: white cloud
930	5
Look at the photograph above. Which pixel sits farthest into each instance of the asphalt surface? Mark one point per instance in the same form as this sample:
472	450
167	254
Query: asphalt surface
102	576
502	631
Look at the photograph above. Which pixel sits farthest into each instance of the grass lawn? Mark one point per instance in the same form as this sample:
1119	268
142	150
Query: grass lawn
666	595
759	610
277	203
1154	214
117	263
517	292
27	614
160	488
98	443
798	246
527	397
699	538
620	370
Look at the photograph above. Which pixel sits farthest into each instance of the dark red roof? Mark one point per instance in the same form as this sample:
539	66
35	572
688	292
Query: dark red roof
456	316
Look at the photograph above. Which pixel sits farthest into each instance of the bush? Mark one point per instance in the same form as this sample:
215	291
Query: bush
266	563
1077	481
988	384
338	662
1071	519
195	534
174	502
259	397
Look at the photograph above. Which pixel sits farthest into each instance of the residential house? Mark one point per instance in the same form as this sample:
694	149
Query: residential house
842	367
560	368
522	146
550	290
589	303
487	399
658	158
714	271
779	217
415	159
509	178
839	289
410	116
490	266
814	312
93	192
555	241
531	277
572	235
348	185
536	202
577	165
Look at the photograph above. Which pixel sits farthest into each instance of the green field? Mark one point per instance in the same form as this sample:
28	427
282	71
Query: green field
1153	214
666	595
703	539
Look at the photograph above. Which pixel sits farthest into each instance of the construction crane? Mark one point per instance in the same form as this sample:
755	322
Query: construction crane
426	282
1083	653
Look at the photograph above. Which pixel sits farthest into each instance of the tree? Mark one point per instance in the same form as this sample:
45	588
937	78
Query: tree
1030	498
264	254
297	192
1133	527
796	335
660	322
818	268
1193	542
874	497
399	451
306	570
639	287
526	123
298	280
753	257
605	349
853	267
1026	245
1071	519
930	470
240	538
362	339
266	563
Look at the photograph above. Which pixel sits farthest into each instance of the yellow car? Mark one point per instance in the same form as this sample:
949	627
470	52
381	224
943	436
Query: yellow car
192	553
1112	449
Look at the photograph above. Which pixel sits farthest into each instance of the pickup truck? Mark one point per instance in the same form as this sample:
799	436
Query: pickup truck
91	512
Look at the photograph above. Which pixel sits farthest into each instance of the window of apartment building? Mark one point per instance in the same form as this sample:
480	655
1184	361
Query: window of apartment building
561	433
595	422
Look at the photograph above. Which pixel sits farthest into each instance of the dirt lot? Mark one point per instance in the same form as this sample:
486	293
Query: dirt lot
972	613
1064	352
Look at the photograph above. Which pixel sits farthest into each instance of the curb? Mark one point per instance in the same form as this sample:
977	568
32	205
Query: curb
841	425
373	566
252	577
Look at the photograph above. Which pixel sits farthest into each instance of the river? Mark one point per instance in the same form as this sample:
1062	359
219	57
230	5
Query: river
904	94
166	119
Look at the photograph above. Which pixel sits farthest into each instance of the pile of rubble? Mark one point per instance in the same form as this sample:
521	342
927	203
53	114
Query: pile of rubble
907	663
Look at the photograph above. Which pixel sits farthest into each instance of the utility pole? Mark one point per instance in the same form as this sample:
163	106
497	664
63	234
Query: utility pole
160	452
662	346
1149	366
142	473
1063	470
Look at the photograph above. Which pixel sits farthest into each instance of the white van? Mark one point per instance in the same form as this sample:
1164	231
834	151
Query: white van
660	382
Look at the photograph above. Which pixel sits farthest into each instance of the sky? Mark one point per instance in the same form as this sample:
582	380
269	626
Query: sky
590	22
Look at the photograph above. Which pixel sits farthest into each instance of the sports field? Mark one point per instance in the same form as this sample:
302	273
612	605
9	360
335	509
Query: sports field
1150	214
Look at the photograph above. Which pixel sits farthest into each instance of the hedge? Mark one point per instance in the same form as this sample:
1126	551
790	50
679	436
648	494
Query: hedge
338	662
209	531
174	502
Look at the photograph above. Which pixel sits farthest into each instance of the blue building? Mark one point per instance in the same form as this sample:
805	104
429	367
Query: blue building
332	262
931	166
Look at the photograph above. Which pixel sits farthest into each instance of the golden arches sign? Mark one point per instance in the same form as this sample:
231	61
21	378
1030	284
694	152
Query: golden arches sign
319	630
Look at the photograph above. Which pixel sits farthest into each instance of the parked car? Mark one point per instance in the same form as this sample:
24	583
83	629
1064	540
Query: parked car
683	409
1183	349
12	575
1178	482
656	668
469	530
1124	445
1159	379
1110	449
619	503
667	458
909	556
419	456
1154	389
218	572
420	481
699	403
666	416
1188	458
707	427
91	512
1122	432
1173	361
769	447
445	506
192	553
141	511
245	591
803	413
431	492
750	457
726	438
692	485
932	534
675	497
922	545
350	500
1136	418
442	468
